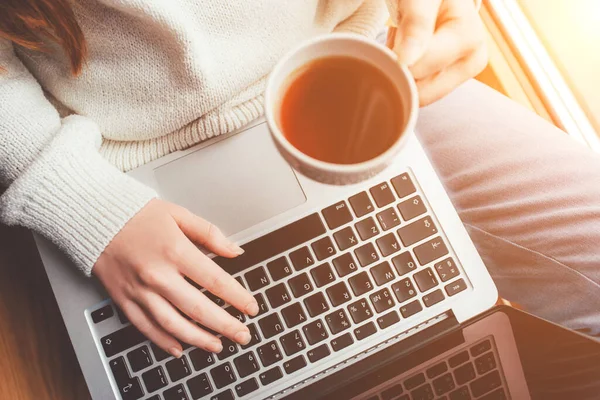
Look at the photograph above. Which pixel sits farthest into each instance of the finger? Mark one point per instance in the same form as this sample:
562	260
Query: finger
453	40
205	272
151	330
439	85
195	304
204	233
172	322
416	20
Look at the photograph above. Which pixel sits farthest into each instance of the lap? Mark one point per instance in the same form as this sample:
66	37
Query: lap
529	196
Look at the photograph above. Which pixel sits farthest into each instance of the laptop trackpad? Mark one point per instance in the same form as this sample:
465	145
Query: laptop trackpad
234	183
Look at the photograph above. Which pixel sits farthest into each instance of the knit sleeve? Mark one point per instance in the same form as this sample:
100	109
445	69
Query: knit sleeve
57	182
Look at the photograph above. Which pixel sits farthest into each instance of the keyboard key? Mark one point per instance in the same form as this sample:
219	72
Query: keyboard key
293	315
433	298
404	263
222	375
414	381
175	393
294	364
257	278
345	238
102	314
497	394
337	215
269	353
159	354
366	254
278	295
212	297
461	394
139	358
315	332
485	363
360	284
338	294
382	300
411	309
455	287
262	304
201	359
154	379
486	383
367	228
417	231
361	204
246	387
446	269
274	244
270	376
412	208
240	281
388	244
365	331
341	342
246	364
235	313
425	279
360	311
465	373
382	273
422	393
279	268
301	258
226	395
458	359
323	248
404	290
403	185
337	321
322	275
199	386
122	318
178	368
300	285
318	353
430	250
270	325
129	388
121	340
436	370
255	336
292	342
382	194
388	219
316	304
443	384
392	393
229	348
481	348
344	264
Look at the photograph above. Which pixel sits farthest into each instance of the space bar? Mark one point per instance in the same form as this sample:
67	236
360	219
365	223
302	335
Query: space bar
274	243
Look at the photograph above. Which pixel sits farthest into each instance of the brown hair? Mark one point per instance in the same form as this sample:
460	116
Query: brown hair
28	22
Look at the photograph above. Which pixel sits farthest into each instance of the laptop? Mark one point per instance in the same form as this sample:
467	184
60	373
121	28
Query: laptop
341	273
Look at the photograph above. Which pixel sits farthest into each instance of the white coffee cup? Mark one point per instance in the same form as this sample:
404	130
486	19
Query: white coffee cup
339	45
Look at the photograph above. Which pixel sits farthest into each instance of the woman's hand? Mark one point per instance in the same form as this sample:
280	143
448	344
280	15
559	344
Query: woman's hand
442	42
144	270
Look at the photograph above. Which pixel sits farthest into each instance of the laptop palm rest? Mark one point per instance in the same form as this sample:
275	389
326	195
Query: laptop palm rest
234	183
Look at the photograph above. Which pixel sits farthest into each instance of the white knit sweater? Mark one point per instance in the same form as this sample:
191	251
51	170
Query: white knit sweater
161	76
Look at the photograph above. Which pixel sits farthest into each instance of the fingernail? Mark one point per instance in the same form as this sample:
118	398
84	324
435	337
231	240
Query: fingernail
252	309
175	352
242	337
235	248
410	50
215	347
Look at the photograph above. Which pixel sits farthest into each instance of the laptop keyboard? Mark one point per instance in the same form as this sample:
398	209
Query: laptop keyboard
472	373
323	283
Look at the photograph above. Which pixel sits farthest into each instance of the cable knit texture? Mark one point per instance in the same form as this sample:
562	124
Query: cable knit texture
161	76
